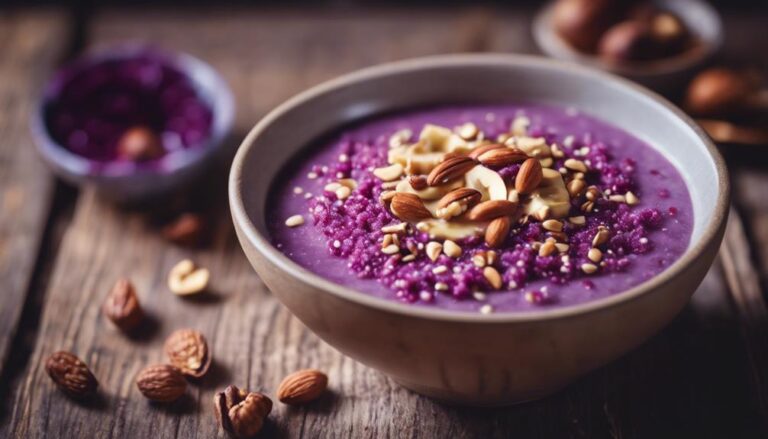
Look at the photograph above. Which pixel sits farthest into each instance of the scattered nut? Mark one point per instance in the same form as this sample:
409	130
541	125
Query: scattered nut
497	231
161	383
139	144
433	250
601	237
588	268
389	173
188	351
595	255
631	199
122	306
294	221
240	413
186	229
553	225
71	375
408	207
493	277
186	279
451	249
302	387
575	165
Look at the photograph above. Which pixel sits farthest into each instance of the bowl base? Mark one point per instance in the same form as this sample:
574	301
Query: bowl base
459	399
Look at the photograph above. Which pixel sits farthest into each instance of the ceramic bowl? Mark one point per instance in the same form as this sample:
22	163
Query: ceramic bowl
473	358
126	181
664	75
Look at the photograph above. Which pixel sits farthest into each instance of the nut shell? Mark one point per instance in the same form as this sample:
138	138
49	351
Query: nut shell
161	383
71	375
240	413
302	387
187	350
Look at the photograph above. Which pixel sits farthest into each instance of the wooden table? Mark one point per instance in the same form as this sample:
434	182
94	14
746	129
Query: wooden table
61	249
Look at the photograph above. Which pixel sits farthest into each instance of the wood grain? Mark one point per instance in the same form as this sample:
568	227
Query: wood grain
692	380
30	43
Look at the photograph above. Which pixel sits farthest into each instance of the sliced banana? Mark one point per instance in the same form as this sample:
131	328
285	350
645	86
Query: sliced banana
551	193
453	230
534	146
488	182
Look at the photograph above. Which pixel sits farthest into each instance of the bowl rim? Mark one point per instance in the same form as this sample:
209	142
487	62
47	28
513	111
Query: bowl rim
222	106
552	44
262	244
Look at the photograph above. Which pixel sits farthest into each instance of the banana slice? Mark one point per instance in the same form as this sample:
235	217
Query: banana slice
551	193
453	230
533	146
488	182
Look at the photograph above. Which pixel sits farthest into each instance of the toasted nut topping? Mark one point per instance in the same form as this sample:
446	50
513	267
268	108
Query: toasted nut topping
562	248
492	276
547	248
488	210
343	192
556	151
576	165
389	173
395	228
576	187
440	269
553	225
490	257
409	258
500	157
546	162
185	278
294	221
468	131
595	255
441	286
601	237
451	249
387	240
529	176
577	220
588	206
588	268
400	137
618	198
387	196
409	207
477	152
391	249
464	195
418	182
520	126
593	193
479	259
450	169
497	231
331	187
433	250
632	199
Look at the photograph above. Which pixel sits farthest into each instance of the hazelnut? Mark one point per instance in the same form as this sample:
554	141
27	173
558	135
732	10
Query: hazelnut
139	144
122	306
629	40
240	413
582	22
719	92
188	351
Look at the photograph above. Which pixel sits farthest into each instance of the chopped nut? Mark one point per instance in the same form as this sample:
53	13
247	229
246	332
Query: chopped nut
595	255
294	221
588	268
577	220
490	257
433	250
618	198
562	248
400	137
395	228
343	192
440	269
468	131
441	286
575	165
601	237
492	276
588	206
553	225
576	187
389	173
479	259
632	199
391	249
593	193
451	249
409	258
547	249
332	187
486	309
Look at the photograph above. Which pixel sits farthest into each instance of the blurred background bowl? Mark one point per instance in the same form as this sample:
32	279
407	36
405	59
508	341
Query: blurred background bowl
664	74
129	181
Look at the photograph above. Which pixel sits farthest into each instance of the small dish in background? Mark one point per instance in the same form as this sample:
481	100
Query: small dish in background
602	37
133	121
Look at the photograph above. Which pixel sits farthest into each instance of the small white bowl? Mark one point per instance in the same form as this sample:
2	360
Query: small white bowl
661	75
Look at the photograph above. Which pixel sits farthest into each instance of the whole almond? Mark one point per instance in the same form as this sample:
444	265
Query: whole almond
122	306
185	230
529	176
188	351
418	182
500	157
138	144
240	413
477	152
497	231
302	387
464	195
409	207
71	375
450	169
161	383
488	210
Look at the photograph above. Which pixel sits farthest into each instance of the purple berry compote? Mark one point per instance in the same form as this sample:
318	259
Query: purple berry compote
483	208
138	108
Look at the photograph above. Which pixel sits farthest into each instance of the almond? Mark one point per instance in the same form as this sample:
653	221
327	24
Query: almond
477	152
450	169
466	196
122	306
497	231
418	182
302	387
161	383
409	207
488	210
188	351
500	157
528	177
71	375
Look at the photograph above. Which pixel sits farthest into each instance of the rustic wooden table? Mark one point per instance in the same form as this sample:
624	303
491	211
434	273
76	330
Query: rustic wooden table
706	375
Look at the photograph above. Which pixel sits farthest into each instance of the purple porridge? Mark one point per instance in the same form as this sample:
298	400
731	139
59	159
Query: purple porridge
483	208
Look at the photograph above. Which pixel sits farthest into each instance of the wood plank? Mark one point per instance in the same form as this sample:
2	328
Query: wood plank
31	42
692	380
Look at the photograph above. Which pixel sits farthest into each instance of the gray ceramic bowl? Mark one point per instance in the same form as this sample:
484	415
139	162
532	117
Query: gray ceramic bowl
474	358
126	181
663	75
